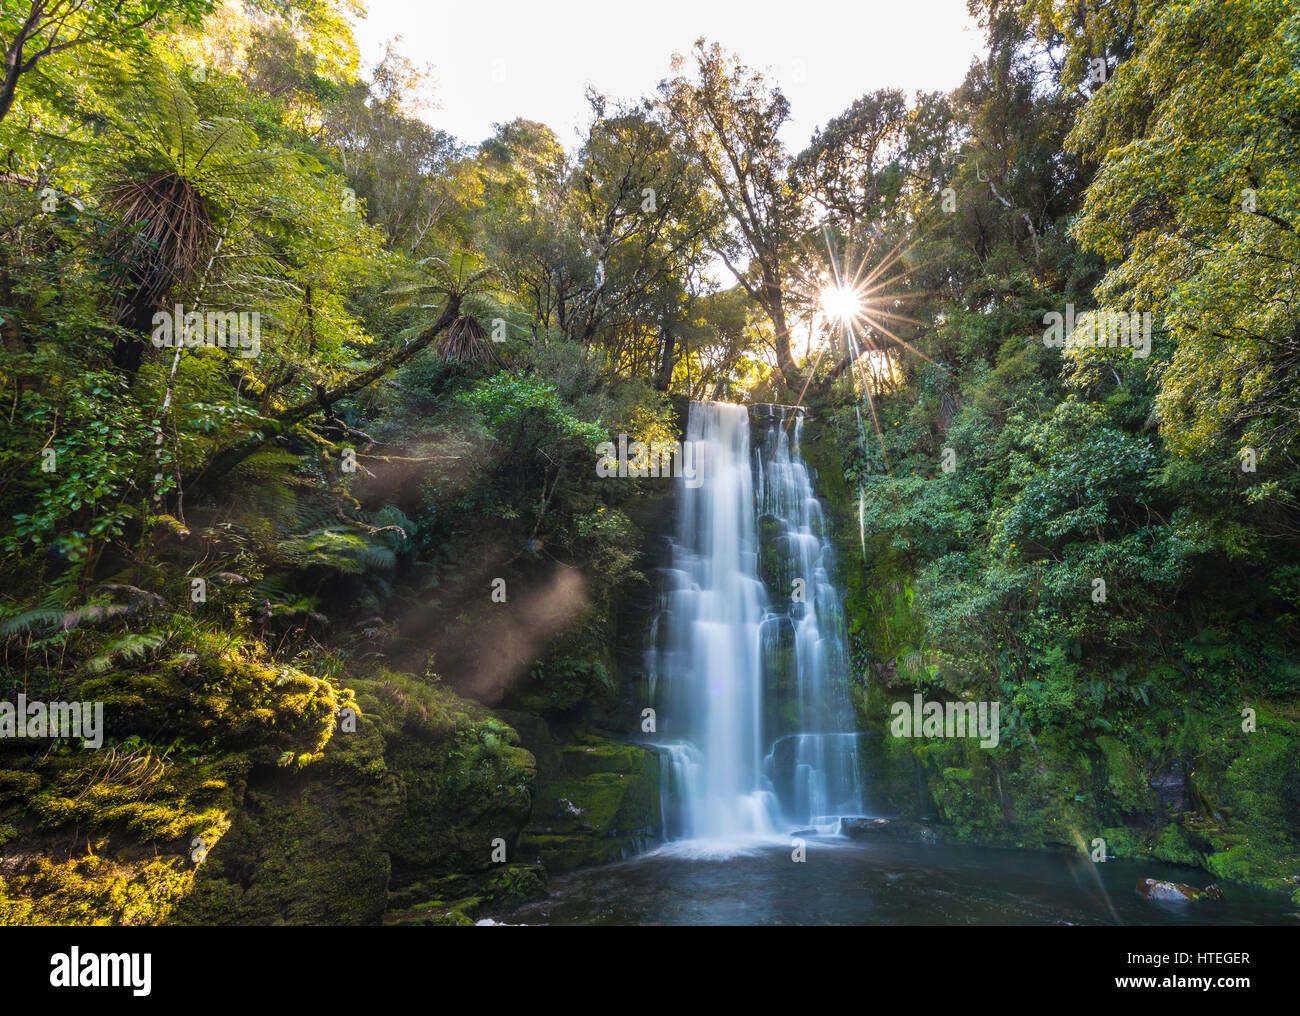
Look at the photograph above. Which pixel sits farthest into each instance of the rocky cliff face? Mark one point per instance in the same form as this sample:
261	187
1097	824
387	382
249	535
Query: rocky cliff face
597	793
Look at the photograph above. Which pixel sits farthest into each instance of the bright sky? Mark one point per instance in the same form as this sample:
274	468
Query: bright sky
495	60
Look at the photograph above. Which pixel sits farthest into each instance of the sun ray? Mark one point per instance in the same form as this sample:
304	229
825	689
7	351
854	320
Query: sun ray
897	317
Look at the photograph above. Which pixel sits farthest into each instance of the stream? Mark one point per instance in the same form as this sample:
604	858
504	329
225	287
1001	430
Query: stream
843	882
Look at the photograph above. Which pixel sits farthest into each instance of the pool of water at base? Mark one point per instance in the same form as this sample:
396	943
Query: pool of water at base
854	883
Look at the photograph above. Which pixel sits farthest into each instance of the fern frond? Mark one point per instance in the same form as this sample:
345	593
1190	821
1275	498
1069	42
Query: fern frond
126	649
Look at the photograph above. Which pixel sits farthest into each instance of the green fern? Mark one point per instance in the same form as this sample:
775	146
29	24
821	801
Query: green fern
126	649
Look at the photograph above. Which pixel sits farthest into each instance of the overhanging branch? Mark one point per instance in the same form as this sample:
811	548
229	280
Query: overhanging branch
225	459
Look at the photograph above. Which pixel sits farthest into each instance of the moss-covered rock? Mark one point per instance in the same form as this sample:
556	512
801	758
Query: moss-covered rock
597	799
1124	783
461	899
114	834
94	890
417	784
428	785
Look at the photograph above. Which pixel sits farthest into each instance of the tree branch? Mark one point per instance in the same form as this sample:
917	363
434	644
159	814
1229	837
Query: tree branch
222	461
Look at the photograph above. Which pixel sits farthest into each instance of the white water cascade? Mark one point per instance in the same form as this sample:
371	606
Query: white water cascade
749	671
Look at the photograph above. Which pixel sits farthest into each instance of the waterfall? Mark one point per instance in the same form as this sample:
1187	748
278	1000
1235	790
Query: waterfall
749	669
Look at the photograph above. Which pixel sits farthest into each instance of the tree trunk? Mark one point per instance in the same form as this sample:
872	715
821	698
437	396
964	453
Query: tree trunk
774	304
666	362
16	64
784	361
226	459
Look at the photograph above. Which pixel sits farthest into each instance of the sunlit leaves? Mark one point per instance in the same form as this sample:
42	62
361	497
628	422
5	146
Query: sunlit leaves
1197	205
507	402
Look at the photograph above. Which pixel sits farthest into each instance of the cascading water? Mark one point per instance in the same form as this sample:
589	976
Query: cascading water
749	671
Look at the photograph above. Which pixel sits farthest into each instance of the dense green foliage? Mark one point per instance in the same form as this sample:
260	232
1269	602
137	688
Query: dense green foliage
390	355
1101	541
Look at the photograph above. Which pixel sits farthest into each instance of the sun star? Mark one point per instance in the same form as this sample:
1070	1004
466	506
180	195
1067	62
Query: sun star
841	303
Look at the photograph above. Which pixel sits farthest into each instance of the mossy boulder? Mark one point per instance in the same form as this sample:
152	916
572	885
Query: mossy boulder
116	834
312	824
597	801
462	899
428	785
94	890
242	701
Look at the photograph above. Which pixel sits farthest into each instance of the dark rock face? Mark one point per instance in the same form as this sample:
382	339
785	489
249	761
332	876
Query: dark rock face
780	704
783	762
865	828
1176	892
895	829
1170	786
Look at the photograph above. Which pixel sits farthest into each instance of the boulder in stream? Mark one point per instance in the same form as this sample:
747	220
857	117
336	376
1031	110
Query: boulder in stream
1175	892
886	829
